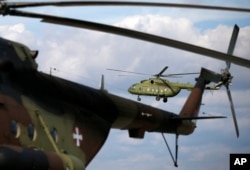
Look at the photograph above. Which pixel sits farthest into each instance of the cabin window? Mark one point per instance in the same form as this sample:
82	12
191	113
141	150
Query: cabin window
15	128
32	132
53	133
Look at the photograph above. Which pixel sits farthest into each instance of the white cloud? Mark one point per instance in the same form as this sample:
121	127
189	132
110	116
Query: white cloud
17	32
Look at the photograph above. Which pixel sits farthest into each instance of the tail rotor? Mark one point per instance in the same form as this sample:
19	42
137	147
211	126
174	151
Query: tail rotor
227	77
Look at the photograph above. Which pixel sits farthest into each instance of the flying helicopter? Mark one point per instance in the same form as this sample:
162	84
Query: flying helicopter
159	87
53	123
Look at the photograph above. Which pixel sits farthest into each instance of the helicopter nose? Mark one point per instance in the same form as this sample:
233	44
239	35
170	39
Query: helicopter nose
132	88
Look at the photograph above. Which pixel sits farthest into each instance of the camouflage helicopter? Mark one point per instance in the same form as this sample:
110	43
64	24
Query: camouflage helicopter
48	122
159	87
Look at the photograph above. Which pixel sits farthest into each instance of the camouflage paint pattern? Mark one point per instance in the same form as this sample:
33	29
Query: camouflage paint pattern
61	124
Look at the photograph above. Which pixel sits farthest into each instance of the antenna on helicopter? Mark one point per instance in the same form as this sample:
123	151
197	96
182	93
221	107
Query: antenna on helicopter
51	69
101	86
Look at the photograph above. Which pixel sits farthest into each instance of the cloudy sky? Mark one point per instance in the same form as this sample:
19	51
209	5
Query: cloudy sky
82	56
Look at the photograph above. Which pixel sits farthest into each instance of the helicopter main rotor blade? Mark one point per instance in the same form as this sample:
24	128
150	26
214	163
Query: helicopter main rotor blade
178	74
134	34
233	111
131	72
161	72
156	75
119	3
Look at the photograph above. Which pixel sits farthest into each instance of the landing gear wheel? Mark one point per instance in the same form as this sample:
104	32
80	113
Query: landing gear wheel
138	98
157	98
165	99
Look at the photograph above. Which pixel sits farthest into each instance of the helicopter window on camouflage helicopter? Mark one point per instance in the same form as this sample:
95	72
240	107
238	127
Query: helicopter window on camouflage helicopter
32	132
54	134
15	128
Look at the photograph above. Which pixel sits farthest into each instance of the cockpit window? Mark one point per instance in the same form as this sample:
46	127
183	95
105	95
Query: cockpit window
143	81
17	54
21	52
25	54
133	86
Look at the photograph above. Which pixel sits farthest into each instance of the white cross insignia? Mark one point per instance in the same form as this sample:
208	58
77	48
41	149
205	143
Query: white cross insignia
77	136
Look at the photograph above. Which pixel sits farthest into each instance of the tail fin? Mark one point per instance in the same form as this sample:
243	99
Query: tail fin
192	106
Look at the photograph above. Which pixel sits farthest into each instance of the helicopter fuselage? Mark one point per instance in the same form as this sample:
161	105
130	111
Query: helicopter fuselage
65	122
161	88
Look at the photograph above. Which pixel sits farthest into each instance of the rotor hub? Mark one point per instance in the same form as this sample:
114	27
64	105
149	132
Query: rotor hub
226	77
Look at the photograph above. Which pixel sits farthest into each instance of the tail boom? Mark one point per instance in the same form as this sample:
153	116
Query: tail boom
192	106
189	113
